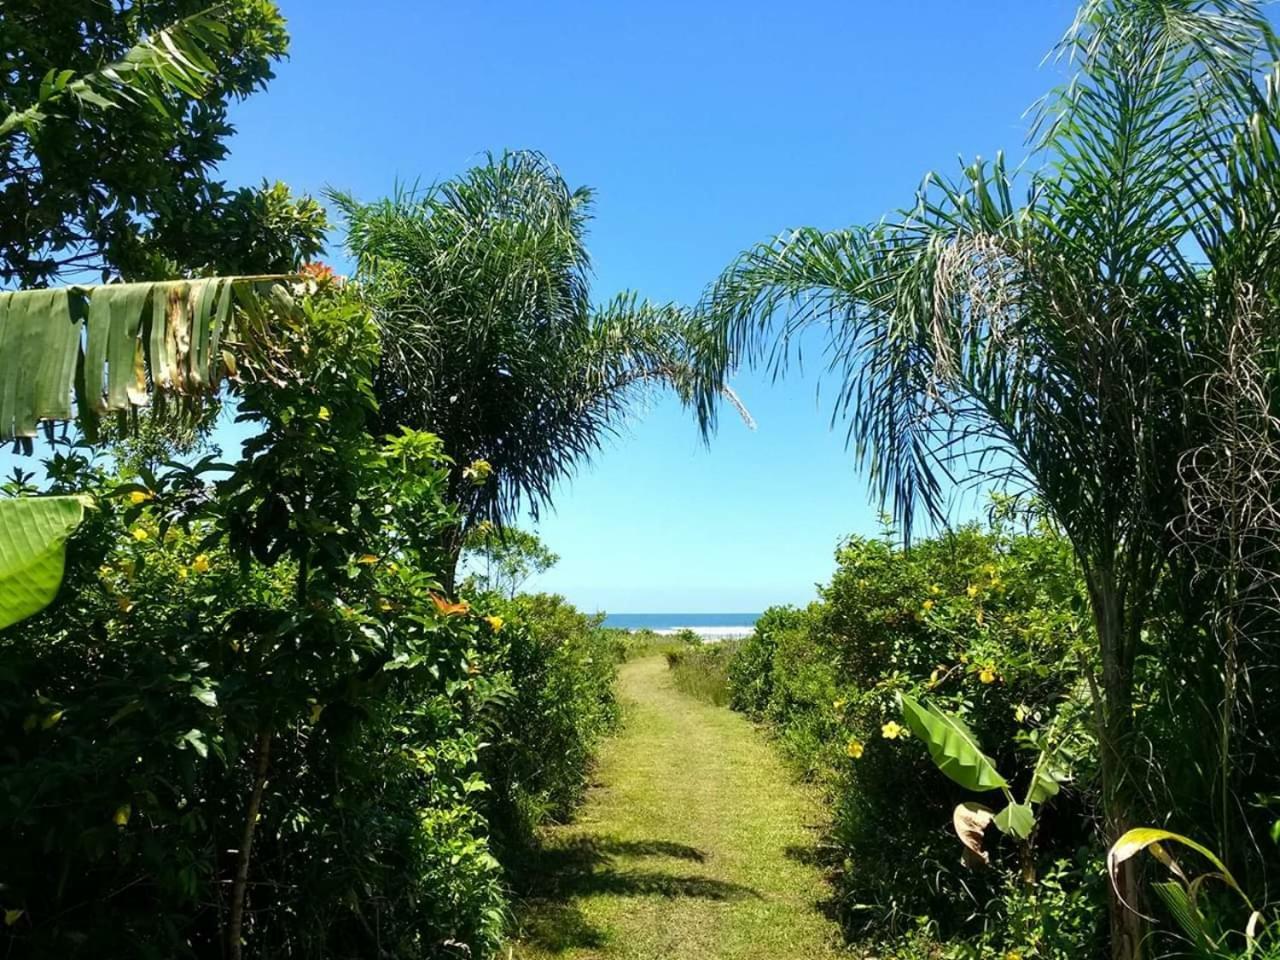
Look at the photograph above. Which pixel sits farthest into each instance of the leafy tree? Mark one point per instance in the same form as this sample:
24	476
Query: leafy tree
481	287
504	559
112	117
1057	341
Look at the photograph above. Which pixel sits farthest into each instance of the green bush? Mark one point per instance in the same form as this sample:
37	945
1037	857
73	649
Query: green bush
982	623
560	666
703	671
262	650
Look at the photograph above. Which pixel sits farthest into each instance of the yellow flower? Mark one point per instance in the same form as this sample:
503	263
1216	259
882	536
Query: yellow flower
987	674
368	560
989	569
122	815
384	605
971	590
141	496
479	472
855	748
201	563
891	731
495	623
1013	955
323	413
935	590
838	705
183	573
928	605
1021	712
139	534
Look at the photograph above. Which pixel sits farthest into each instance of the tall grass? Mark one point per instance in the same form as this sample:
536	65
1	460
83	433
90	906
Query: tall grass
703	671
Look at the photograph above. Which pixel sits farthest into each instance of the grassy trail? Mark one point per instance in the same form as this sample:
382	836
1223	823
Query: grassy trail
694	843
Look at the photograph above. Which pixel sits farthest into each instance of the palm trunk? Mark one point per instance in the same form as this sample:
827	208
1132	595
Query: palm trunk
1115	739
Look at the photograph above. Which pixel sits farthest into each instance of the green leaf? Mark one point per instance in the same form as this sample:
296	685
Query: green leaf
952	746
205	696
33	538
1142	838
1016	820
1045	779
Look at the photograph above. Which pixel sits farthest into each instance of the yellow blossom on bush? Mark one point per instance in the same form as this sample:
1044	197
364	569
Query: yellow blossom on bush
139	534
838	705
989	569
141	496
971	590
450	609
935	589
1020	712
201	563
987	674
495	623
122	814
928	605
323	413
855	748
1013	955
183	573
478	472
891	730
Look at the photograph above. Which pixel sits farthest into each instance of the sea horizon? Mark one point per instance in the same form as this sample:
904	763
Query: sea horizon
703	623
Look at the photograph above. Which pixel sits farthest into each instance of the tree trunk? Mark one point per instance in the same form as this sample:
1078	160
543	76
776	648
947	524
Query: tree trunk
1115	738
240	885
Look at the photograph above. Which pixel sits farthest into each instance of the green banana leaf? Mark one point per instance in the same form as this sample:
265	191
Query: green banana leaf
109	343
1017	820
33	540
952	746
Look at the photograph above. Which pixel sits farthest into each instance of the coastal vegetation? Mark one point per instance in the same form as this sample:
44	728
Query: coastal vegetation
293	699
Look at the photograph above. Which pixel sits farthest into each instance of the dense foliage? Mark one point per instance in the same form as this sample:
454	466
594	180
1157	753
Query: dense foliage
985	624
251	714
1096	328
118	182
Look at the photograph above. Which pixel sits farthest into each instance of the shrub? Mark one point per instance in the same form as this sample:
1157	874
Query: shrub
703	671
560	667
983	624
267	657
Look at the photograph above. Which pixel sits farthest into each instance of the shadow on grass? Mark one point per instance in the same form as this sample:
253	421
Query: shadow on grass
823	858
561	872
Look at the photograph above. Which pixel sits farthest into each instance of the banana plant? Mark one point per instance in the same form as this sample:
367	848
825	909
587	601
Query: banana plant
114	348
33	548
1181	896
956	752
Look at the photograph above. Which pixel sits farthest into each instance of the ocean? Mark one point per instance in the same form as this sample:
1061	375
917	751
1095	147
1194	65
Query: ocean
709	625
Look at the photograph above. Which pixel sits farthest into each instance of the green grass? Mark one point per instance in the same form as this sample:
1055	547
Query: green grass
694	843
703	672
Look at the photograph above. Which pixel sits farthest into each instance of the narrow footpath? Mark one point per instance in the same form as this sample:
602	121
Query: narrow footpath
695	842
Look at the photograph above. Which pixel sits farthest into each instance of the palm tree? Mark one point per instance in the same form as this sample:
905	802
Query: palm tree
1048	341
481	287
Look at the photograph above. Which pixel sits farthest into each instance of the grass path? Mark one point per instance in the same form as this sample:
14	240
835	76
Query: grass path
695	843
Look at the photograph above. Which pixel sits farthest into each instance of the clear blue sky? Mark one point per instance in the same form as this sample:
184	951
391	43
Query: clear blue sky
704	127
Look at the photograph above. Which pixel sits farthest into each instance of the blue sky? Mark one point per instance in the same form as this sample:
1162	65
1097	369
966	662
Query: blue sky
704	127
